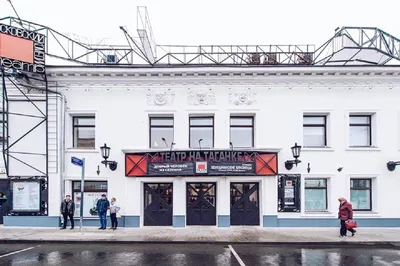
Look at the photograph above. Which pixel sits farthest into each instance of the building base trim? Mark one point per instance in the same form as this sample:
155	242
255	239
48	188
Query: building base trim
178	221
32	221
131	221
224	220
274	221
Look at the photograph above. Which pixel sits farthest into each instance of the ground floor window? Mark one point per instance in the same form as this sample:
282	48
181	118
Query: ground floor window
360	194
92	192
316	195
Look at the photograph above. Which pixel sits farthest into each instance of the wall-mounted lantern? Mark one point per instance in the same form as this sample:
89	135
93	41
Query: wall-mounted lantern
296	149
105	152
391	165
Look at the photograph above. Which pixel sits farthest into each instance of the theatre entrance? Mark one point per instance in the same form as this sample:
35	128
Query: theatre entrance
245	207
158	204
201	204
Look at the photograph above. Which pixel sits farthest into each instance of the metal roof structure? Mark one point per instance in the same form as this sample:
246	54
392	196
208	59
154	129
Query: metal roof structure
349	46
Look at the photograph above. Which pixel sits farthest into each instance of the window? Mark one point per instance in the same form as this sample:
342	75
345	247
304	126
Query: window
84	132
360	131
316	195
201	128
161	127
242	131
314	131
360	194
91	194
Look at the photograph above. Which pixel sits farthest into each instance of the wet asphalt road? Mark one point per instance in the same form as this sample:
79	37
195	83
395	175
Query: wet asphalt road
166	255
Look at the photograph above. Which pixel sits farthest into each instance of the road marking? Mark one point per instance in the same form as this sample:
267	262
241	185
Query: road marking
16	252
236	256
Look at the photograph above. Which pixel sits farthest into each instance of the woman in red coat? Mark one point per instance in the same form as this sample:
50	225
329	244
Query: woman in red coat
345	214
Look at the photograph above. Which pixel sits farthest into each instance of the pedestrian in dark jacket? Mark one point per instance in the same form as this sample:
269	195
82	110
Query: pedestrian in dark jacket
67	210
345	214
102	208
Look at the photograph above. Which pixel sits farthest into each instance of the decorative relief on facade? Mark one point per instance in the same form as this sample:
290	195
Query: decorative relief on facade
201	97
242	97
160	98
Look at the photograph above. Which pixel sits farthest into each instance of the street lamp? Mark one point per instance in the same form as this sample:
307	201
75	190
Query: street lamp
231	145
296	149
200	140
391	165
105	152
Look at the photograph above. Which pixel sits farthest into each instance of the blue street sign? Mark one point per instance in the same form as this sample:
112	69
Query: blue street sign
76	161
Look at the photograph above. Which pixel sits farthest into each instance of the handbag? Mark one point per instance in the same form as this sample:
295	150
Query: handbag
351	224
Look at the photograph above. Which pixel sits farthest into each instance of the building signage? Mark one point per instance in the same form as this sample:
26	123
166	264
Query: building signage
26	196
200	163
171	169
22	49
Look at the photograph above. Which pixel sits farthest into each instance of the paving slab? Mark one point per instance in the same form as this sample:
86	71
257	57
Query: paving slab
194	234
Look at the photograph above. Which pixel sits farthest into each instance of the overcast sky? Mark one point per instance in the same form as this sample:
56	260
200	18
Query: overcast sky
211	21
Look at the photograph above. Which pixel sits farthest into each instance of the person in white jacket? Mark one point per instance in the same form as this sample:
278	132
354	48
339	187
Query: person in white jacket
114	208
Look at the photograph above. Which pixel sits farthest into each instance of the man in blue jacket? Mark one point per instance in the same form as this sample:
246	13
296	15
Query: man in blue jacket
102	206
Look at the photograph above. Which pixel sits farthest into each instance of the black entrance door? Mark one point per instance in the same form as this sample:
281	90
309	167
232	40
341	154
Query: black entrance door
4	204
245	208
201	204
157	204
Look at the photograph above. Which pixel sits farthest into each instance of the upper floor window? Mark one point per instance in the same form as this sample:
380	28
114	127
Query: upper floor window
242	131
161	131
314	131
360	194
201	132
84	132
360	131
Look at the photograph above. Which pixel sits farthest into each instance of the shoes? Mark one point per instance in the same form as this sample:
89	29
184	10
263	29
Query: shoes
343	236
62	228
104	228
111	228
71	228
353	233
115	228
100	228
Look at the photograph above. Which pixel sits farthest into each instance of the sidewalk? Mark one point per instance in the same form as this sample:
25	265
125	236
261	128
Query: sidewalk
232	235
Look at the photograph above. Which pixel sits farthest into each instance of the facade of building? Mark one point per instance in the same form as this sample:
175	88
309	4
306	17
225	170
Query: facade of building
345	118
221	136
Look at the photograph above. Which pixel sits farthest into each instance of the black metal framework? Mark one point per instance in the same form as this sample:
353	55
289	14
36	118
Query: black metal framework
367	125
194	125
235	124
356	185
33	89
76	126
158	204
322	185
166	123
245	203
296	149
349	46
313	124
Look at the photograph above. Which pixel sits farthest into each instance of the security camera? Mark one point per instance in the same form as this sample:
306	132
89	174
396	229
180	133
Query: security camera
340	169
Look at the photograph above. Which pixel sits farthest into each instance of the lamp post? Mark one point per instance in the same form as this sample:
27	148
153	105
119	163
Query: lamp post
165	141
296	149
200	140
105	153
231	145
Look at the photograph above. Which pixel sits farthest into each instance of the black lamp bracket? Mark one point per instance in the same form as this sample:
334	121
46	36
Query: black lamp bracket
391	165
111	164
289	164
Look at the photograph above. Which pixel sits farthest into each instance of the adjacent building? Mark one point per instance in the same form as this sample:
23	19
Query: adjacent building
261	143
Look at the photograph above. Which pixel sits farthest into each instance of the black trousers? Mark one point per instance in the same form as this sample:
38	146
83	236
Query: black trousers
343	229
71	218
114	221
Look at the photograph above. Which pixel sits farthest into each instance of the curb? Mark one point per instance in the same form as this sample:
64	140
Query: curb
364	244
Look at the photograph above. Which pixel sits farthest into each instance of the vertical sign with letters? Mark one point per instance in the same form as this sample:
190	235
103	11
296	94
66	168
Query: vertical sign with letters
289	193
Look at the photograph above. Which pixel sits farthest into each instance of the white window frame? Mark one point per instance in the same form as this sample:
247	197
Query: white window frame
69	120
162	116
374	191
330	211
374	113
318	112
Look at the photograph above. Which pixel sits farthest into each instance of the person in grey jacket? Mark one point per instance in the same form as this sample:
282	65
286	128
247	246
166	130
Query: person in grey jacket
114	209
67	210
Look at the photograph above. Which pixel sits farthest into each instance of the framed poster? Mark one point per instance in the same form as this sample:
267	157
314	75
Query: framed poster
89	203
26	196
289	193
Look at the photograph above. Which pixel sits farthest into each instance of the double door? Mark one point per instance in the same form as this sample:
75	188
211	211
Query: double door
201	204
245	206
158	204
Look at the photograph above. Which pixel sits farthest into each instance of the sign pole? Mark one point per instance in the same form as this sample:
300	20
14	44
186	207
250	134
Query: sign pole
82	189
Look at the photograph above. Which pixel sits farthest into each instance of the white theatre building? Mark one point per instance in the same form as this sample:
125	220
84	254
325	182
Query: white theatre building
209	143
